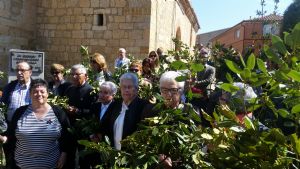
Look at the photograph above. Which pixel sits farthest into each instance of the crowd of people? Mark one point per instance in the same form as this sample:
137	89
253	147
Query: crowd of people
37	135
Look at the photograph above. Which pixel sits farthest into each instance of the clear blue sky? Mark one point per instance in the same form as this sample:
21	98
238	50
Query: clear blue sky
219	14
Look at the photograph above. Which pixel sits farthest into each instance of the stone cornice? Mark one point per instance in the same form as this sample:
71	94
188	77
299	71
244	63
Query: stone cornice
190	13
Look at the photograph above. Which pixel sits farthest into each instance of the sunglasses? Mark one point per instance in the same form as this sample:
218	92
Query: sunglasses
134	70
152	56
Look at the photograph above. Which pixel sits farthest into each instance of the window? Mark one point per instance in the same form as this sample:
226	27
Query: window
237	34
269	29
100	21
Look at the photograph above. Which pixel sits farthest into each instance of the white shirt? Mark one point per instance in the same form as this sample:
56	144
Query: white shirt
118	127
103	109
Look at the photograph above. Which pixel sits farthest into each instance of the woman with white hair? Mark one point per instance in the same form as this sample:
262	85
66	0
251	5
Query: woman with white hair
172	93
126	113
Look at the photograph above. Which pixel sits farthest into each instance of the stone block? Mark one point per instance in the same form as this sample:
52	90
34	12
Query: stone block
70	11
77	26
60	12
88	11
80	19
114	11
50	12
70	26
119	19
126	26
95	3
127	42
86	26
62	3
77	11
50	26
89	34
113	26
113	43
61	27
120	3
104	3
54	4
53	19
107	35
85	3
107	11
78	34
99	28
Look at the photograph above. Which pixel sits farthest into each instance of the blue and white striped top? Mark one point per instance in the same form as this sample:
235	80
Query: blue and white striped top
37	143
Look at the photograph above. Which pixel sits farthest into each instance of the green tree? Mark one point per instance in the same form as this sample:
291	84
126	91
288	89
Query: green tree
291	16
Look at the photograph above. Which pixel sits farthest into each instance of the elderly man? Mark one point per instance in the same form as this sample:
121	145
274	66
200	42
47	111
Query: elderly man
16	93
122	60
80	99
79	94
126	113
107	93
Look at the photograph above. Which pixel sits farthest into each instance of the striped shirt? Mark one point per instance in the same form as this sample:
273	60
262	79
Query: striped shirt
37	143
20	96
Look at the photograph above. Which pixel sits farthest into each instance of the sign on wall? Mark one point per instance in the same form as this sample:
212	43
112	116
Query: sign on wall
34	58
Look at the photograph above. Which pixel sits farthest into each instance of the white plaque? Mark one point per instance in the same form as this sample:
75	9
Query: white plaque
34	58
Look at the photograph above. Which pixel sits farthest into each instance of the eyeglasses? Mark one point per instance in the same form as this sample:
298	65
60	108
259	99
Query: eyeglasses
134	70
22	70
169	90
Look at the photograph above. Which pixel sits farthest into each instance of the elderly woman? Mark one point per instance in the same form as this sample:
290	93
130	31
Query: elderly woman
58	85
172	92
126	113
38	135
99	66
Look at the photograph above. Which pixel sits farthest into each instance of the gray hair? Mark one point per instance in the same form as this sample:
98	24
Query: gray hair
132	77
170	76
112	86
79	67
122	50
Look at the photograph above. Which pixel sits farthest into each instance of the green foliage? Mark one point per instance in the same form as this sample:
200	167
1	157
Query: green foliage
291	16
231	142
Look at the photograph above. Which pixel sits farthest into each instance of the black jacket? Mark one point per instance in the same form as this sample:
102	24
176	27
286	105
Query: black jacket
131	119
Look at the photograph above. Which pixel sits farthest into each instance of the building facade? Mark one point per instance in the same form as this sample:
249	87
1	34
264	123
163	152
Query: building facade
60	27
250	33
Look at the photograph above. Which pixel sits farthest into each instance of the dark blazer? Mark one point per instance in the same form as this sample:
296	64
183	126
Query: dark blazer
131	119
96	108
61	88
7	92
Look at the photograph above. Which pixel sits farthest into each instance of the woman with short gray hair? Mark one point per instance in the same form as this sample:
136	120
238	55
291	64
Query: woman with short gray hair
126	113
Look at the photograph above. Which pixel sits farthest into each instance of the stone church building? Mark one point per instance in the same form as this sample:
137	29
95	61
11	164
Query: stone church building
60	27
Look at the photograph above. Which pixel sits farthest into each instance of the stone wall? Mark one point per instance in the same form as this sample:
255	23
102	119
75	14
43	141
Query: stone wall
64	25
17	27
168	18
60	27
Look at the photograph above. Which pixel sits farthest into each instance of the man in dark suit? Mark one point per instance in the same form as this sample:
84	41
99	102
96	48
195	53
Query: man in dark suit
126	113
102	108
